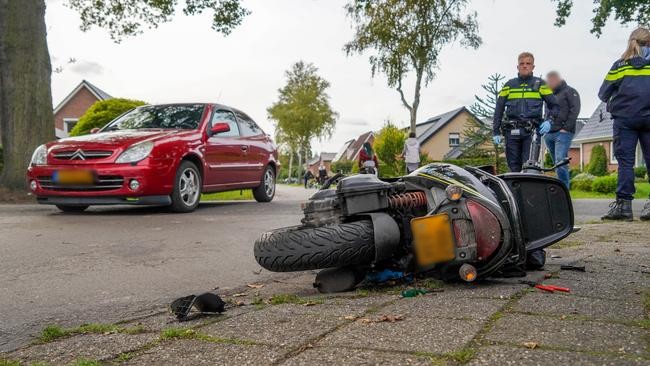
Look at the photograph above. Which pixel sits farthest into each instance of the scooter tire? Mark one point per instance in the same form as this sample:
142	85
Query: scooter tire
301	248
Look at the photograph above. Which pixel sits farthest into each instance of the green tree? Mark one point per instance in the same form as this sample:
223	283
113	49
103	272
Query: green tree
303	111
102	112
477	134
624	11
389	143
25	70
408	36
598	161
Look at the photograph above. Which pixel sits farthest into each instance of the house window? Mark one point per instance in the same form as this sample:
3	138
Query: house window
454	139
612	158
69	123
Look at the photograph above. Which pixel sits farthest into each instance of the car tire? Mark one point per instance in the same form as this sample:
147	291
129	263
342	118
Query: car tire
187	188
266	190
301	248
71	209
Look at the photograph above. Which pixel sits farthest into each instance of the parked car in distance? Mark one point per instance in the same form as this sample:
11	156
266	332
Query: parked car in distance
157	155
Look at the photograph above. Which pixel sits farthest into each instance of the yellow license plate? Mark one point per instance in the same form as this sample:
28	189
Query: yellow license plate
433	239
82	177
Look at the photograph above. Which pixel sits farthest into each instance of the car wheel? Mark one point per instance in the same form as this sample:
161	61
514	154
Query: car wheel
65	208
187	188
266	190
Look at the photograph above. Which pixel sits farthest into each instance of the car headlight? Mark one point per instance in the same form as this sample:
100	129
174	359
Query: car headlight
136	152
39	157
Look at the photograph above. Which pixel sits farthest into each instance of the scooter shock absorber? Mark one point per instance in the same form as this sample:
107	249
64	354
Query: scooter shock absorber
407	200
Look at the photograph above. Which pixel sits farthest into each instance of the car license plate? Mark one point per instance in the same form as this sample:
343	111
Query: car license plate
70	177
433	239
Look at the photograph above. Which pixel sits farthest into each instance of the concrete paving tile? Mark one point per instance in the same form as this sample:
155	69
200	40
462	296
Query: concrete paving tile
598	286
565	304
346	356
445	305
83	346
494	287
283	325
568	334
193	352
413	334
506	356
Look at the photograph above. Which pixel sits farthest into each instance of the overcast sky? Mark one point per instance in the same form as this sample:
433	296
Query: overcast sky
185	60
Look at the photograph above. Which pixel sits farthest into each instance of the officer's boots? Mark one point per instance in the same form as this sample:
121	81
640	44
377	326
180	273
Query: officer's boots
620	210
645	214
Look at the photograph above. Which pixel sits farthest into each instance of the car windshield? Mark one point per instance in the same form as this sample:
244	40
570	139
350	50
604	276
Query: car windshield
185	116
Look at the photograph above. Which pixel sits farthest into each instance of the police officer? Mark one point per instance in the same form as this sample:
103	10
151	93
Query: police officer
626	90
522	99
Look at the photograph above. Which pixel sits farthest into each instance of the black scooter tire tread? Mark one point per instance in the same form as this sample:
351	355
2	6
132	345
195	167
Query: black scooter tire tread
305	248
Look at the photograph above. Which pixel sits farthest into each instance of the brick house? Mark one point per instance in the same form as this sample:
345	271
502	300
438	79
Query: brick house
598	131
73	106
351	148
441	136
324	158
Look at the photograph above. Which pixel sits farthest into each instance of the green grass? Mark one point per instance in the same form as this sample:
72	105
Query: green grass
292	299
86	363
52	332
246	194
187	333
5	362
642	192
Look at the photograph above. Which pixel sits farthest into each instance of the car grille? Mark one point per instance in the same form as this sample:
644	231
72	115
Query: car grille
102	183
81	154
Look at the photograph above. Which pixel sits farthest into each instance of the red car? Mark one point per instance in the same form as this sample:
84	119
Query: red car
157	155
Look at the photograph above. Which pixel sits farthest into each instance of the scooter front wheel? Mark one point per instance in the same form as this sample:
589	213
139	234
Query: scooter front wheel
301	248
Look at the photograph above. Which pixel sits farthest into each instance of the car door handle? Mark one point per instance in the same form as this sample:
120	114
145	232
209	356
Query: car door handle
244	148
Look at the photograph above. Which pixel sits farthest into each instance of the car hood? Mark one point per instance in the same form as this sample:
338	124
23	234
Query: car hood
112	140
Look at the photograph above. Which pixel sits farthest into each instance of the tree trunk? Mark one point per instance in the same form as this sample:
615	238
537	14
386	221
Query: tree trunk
299	162
26	119
291	166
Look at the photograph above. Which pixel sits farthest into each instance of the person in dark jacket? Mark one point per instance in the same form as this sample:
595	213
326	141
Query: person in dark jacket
522	100
308	175
626	90
558	140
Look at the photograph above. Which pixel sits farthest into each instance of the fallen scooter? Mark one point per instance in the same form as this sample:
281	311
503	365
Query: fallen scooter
441	220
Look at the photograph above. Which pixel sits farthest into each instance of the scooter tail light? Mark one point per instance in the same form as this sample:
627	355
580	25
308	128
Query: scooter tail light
487	229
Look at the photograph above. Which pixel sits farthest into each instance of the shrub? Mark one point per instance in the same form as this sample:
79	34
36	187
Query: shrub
606	184
101	113
389	143
548	160
598	161
639	172
344	165
583	182
574	172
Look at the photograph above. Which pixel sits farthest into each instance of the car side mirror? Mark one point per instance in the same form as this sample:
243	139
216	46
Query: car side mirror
219	127
94	130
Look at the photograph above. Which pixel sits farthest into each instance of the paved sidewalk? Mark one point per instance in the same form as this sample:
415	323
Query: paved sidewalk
605	320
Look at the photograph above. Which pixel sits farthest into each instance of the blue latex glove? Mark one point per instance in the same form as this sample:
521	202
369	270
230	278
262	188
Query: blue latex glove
496	139
545	127
645	52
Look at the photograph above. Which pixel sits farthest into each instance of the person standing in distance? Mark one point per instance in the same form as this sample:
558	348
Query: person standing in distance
411	153
559	138
522	100
626	90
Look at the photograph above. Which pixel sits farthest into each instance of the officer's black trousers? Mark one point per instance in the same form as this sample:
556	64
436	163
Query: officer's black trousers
517	149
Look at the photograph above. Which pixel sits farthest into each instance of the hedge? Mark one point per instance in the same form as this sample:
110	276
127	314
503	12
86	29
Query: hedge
640	172
583	182
606	184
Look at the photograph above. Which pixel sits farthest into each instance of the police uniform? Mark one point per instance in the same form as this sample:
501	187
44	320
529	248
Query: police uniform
626	90
522	99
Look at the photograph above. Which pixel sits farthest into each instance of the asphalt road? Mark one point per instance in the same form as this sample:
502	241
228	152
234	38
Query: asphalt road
111	263
107	263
